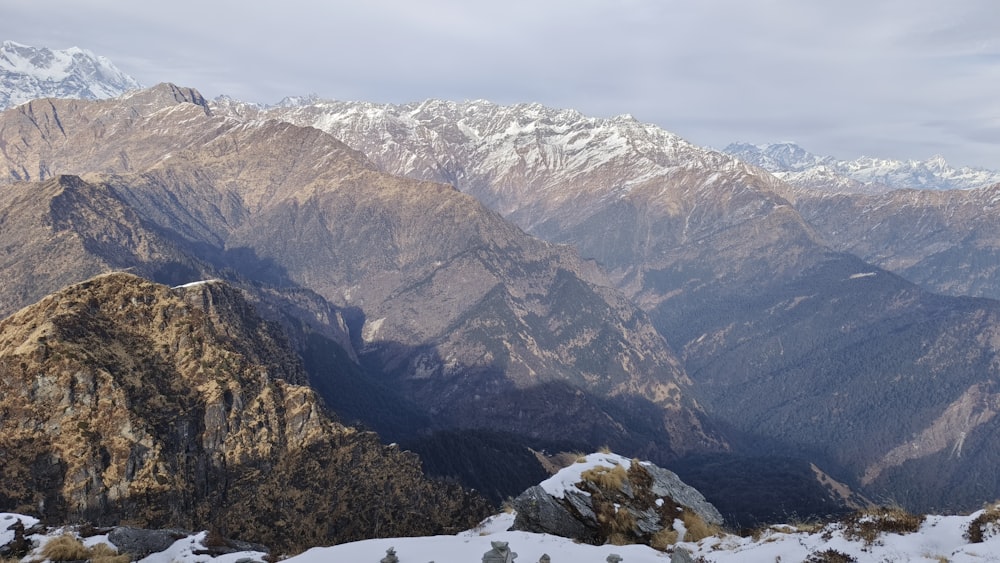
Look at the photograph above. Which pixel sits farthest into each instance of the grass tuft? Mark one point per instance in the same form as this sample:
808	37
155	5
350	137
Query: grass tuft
869	524
984	526
68	548
606	478
830	556
697	528
663	539
65	548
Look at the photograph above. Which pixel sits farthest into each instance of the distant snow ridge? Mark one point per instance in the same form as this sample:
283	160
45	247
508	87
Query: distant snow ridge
28	73
803	169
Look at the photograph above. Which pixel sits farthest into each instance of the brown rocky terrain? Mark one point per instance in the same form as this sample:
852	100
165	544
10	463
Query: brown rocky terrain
125	401
456	309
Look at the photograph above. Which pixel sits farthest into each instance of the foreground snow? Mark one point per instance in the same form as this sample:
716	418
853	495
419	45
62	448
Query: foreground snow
469	547
940	538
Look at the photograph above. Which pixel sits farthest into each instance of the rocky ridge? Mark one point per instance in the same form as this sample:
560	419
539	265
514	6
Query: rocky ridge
128	401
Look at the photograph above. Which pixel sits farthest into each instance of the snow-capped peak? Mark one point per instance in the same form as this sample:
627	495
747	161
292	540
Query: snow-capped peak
777	157
28	73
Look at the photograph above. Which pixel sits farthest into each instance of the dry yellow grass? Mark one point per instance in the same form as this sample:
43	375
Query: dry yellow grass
868	524
622	529
697	528
989	519
104	553
68	548
65	548
663	539
606	478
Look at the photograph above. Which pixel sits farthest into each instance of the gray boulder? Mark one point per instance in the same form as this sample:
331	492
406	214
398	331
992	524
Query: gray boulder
140	543
541	513
650	495
666	483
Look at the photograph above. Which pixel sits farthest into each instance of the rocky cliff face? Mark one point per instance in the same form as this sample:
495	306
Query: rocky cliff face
476	322
125	401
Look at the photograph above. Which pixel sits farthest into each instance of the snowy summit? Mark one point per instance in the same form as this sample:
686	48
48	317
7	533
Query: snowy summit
28	73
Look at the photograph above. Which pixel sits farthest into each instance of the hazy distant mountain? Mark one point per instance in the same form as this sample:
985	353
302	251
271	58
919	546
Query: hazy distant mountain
803	169
802	349
928	222
28	73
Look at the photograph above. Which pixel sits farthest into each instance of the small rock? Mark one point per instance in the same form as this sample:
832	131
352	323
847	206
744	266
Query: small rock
140	543
500	553
390	556
681	555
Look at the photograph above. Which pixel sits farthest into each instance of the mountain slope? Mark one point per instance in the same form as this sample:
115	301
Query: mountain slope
28	73
127	401
801	349
455	308
946	241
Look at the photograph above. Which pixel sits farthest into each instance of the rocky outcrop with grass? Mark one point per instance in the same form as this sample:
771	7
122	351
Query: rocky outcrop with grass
126	401
605	498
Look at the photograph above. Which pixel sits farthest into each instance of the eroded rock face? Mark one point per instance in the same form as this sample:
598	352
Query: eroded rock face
128	401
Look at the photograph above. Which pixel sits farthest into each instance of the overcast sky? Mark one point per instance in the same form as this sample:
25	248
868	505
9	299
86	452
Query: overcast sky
898	79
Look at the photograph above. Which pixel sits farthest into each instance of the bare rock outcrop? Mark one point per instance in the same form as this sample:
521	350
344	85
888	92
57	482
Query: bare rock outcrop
607	498
129	401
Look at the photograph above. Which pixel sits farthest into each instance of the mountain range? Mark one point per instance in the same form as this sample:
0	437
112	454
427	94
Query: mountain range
789	340
458	319
510	277
802	169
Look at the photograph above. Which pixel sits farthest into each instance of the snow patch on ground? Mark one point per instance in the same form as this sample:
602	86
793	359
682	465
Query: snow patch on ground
183	551
8	519
567	478
939	538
